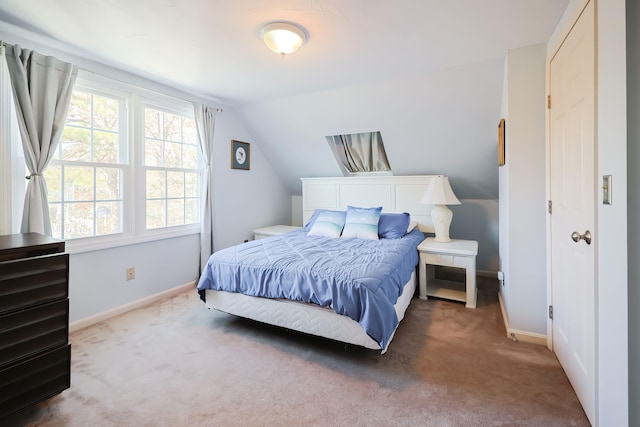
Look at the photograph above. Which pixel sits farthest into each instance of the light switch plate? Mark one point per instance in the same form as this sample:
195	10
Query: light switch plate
606	189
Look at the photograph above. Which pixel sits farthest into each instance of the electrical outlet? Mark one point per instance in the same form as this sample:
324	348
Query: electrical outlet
131	273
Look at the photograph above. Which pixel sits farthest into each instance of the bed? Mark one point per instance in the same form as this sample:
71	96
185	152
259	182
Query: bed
350	289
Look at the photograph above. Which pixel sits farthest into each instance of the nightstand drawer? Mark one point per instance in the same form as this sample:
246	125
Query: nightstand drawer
446	260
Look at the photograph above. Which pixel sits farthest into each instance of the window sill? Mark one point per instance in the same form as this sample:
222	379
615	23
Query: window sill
89	244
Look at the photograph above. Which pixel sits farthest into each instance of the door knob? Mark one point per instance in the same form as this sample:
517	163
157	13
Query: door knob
586	237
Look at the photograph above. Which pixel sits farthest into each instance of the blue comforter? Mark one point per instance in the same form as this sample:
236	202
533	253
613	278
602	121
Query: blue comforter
358	278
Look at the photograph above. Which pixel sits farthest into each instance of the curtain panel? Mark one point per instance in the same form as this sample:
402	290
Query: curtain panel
205	123
42	88
360	152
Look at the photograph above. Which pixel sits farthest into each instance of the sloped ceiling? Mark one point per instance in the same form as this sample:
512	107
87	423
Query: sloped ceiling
426	73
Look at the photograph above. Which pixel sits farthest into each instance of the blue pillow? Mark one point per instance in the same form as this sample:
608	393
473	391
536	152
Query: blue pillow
362	223
393	225
328	224
315	214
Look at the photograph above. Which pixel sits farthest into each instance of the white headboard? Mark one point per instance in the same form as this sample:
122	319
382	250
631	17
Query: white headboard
393	193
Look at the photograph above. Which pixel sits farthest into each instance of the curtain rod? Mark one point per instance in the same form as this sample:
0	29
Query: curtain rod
218	109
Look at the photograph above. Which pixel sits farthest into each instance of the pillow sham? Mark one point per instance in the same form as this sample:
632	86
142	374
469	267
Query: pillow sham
362	222
393	225
315	214
328	224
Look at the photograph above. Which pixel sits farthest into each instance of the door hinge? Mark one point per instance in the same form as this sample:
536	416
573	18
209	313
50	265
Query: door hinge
548	102
549	206
551	312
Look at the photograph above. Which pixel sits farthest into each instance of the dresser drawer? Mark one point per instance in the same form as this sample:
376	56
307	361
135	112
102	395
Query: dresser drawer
34	330
32	281
35	380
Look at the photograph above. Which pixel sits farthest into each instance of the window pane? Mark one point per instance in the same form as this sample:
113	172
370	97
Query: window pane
78	220
172	154
107	184
80	109
152	123
175	208
78	183
55	212
53	178
189	133
190	157
105	113
76	144
175	147
191	185
156	184
192	211
153	155
175	184
172	127
108	217
105	147
155	213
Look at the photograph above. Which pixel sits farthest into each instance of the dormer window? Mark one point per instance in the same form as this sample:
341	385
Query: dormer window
360	153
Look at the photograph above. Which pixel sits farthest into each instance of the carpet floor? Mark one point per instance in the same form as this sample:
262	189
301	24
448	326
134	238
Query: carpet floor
175	363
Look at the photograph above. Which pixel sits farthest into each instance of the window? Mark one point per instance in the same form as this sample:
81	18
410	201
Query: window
360	153
85	177
172	176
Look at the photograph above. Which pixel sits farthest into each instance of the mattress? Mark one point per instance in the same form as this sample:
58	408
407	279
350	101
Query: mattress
308	318
358	278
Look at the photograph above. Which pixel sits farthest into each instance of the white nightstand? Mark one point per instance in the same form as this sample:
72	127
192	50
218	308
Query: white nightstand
274	230
457	253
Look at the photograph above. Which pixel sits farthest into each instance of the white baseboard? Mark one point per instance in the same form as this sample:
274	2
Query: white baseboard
91	320
518	335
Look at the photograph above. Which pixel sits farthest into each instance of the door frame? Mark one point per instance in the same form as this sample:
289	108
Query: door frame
553	46
612	320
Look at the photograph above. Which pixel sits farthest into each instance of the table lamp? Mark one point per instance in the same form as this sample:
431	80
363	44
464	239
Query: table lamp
440	194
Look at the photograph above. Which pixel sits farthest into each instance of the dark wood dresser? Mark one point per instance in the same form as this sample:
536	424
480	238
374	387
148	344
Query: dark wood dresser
35	354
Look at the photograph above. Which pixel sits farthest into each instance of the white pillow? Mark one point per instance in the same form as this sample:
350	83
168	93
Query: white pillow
412	224
328	224
362	223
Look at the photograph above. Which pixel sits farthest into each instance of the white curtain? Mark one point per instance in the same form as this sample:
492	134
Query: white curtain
42	87
206	124
360	152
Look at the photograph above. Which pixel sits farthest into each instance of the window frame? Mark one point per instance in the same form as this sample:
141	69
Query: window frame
124	164
133	183
172	106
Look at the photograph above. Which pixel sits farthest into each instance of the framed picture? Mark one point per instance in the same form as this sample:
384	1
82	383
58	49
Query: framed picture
240	155
501	126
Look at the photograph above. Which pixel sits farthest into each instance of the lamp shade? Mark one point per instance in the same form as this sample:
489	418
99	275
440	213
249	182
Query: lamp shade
439	192
283	37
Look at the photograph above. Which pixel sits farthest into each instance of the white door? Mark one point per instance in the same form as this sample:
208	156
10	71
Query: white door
573	188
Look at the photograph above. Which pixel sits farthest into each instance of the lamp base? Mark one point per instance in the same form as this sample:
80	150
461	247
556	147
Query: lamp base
441	216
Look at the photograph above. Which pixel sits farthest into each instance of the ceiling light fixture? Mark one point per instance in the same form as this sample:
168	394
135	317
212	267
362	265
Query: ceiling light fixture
283	37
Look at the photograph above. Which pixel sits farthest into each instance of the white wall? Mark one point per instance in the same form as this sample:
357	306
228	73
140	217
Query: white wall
612	338
444	122
477	219
244	200
97	280
633	198
522	192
